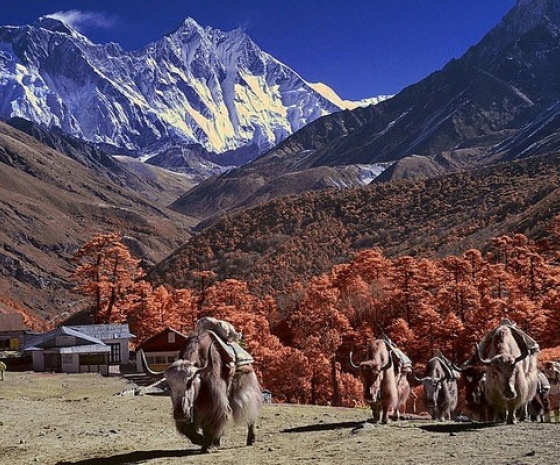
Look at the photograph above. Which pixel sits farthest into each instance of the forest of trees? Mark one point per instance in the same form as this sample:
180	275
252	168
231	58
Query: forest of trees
301	337
297	237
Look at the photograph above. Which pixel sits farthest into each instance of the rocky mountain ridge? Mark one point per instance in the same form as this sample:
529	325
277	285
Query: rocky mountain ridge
195	86
479	109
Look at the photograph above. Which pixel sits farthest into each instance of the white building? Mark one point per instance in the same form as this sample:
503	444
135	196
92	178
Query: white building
81	349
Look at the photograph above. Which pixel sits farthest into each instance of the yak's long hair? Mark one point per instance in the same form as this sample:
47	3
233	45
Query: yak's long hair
220	399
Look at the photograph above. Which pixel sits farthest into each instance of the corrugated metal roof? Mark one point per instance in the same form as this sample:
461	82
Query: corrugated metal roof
88	349
94	348
105	331
41	340
12	322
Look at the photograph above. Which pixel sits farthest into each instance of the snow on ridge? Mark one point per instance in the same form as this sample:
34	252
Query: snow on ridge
332	96
195	85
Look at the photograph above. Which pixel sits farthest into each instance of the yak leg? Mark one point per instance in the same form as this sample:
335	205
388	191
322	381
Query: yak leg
385	413
188	429
375	411
523	412
210	444
251	437
510	411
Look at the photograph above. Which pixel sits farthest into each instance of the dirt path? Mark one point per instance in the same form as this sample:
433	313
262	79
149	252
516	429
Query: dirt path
78	420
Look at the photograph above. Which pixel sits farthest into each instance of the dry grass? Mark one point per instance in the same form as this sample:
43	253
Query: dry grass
52	419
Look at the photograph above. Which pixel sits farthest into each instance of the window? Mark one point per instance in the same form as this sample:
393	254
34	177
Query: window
92	359
115	356
171	337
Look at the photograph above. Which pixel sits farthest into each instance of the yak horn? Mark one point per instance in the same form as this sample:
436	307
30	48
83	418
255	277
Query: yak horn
147	369
352	364
457	368
484	361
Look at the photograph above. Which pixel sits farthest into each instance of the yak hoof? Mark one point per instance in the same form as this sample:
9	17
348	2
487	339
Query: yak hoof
251	437
209	449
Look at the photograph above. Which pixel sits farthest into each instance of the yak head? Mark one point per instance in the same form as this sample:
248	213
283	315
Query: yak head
437	373
184	379
552	371
432	388
502	369
371	373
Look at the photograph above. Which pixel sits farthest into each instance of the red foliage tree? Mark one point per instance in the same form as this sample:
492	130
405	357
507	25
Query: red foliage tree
106	273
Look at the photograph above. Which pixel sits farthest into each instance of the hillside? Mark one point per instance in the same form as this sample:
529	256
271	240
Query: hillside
291	239
499	101
52	204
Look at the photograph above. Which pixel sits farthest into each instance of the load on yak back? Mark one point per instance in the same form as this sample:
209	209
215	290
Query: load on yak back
229	340
404	362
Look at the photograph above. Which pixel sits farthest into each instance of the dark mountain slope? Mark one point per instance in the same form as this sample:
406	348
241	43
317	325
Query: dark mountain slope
159	186
475	105
50	206
288	165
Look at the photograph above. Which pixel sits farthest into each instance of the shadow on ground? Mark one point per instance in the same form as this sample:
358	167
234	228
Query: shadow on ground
457	427
324	427
133	457
355	425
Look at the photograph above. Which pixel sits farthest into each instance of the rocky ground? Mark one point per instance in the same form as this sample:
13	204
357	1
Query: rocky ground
61	419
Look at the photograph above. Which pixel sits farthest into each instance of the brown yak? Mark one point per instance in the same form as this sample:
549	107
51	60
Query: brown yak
510	357
381	381
206	393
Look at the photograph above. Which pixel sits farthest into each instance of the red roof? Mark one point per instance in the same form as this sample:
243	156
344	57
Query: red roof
160	342
12	322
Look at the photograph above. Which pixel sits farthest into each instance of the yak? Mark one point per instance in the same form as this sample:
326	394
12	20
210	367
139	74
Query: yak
539	406
552	371
385	388
510	357
440	388
208	390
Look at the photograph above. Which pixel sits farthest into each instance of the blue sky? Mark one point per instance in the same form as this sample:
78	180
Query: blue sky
360	48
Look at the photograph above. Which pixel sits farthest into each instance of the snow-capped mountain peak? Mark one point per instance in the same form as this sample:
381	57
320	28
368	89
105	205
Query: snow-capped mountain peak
196	85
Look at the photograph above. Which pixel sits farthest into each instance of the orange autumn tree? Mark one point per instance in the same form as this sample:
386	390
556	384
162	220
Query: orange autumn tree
160	308
318	327
301	336
231	300
106	273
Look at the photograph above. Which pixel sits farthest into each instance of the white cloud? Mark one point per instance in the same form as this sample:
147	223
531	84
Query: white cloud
80	20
